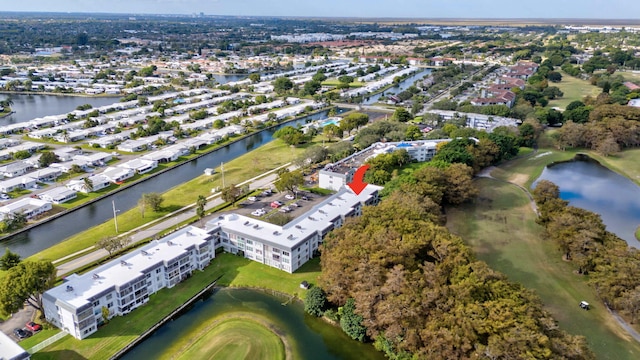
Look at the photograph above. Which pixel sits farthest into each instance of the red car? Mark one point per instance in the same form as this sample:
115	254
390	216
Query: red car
33	326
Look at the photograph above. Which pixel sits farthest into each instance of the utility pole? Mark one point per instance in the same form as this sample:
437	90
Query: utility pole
115	212
222	171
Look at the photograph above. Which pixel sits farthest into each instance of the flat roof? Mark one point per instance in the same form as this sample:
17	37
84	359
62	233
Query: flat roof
79	289
317	219
10	350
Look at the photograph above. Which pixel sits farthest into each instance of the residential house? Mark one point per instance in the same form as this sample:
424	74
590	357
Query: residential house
98	182
118	175
29	207
141	166
58	195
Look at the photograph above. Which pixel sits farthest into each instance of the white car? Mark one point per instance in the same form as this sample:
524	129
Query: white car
289	197
252	198
258	212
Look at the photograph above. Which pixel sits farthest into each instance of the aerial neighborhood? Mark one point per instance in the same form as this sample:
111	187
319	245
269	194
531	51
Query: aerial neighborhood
318	187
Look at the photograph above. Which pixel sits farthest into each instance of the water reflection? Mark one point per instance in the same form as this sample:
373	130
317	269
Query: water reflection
588	185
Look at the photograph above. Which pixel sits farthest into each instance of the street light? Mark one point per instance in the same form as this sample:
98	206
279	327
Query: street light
115	212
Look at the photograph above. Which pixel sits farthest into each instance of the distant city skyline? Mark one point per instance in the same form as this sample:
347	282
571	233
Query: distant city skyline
468	9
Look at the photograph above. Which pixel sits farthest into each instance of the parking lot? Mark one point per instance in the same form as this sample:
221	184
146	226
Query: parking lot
267	204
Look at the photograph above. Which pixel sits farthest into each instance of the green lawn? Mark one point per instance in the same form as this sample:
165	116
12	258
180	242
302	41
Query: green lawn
335	82
500	227
573	89
233	339
249	165
629	76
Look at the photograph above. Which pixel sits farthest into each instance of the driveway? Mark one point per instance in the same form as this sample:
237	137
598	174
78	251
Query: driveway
18	320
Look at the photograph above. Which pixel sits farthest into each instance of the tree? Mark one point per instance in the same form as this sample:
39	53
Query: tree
290	135
282	84
289	180
332	131
113	244
314	301
87	184
25	282
554	76
47	158
153	200
401	115
200	204
9	260
350	322
255	78
231	193
345	79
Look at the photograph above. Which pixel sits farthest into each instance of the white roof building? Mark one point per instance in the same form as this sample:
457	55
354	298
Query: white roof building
118	174
9	350
140	166
58	195
288	247
28	206
126	283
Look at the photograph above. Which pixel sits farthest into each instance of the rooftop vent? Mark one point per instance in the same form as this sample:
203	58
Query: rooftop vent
95	276
276	232
123	263
322	211
170	243
290	237
69	288
298	227
144	252
256	226
246	223
312	218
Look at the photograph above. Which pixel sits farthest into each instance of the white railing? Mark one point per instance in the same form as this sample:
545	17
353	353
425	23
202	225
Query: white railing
47	342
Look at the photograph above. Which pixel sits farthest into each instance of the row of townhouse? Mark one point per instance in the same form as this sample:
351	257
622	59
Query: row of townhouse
123	284
500	93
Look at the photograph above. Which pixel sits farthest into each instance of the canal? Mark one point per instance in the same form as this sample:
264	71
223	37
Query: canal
588	185
48	234
402	86
28	107
311	338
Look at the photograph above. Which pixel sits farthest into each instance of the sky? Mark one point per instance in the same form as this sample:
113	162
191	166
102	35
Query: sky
592	9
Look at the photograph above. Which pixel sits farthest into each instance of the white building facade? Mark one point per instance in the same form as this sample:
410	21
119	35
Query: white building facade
127	282
290	246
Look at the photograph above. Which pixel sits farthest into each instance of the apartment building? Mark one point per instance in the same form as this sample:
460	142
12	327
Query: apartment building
289	246
126	283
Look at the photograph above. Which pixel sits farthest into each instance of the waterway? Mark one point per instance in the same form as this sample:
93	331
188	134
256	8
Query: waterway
225	78
310	338
588	185
48	234
28	107
402	86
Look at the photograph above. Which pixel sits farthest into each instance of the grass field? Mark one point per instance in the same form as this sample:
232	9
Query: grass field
335	82
500	227
251	164
234	339
573	89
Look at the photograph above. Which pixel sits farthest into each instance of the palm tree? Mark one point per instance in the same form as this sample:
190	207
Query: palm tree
88	184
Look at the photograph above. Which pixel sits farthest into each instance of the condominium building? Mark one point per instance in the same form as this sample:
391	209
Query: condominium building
289	246
121	285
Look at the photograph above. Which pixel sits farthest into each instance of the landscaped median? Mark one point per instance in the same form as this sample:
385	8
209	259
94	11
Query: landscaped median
122	330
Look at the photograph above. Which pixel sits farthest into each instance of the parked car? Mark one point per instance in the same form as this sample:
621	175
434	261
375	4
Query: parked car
252	198
294	204
289	197
21	333
285	209
4	196
258	212
266	193
34	327
275	204
304	198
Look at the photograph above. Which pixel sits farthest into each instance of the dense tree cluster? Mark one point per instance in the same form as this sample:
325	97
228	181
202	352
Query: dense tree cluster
583	240
610	128
418	292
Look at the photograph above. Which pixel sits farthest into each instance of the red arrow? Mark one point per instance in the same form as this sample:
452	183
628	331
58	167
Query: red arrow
358	184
